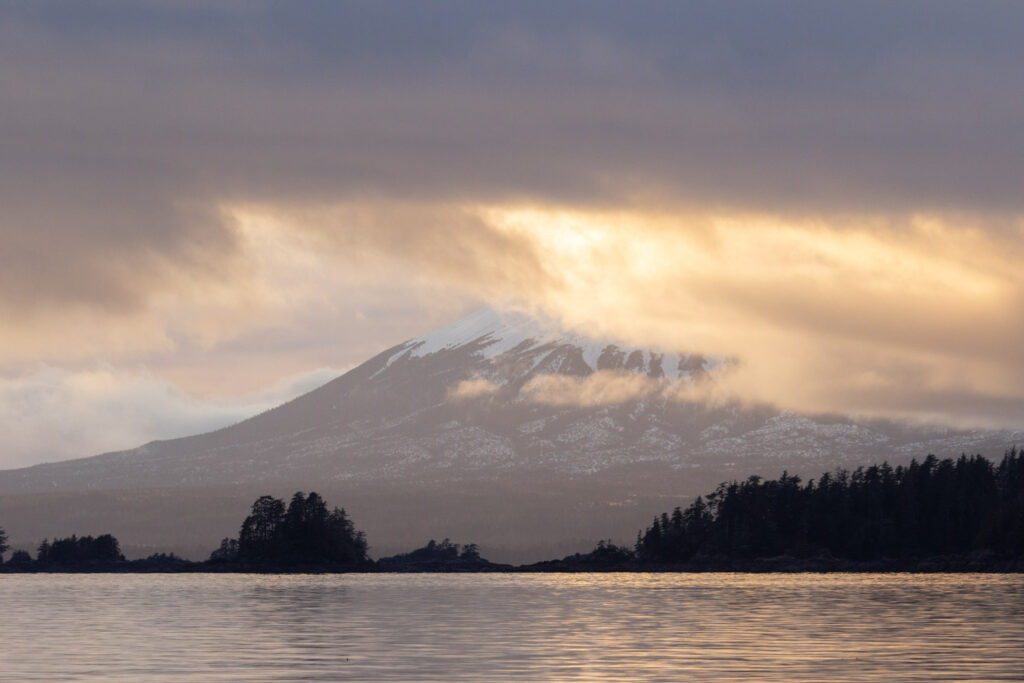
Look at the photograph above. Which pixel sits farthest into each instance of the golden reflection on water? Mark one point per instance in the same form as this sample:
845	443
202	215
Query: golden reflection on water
512	627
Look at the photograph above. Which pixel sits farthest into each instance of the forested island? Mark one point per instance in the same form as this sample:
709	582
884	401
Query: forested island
934	515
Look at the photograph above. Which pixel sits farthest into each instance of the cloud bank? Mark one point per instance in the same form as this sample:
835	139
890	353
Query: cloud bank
227	195
51	414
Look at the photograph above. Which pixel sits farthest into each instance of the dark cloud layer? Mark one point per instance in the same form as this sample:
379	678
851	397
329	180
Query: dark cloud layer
123	124
807	105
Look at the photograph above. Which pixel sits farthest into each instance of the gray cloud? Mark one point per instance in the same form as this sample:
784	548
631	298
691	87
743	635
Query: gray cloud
797	104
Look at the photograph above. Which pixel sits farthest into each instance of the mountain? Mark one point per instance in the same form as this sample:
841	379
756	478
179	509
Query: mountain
500	429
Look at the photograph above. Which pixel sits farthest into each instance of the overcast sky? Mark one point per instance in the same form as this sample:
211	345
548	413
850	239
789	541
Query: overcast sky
206	210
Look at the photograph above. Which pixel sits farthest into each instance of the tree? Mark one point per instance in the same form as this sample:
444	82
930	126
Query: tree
607	553
305	528
20	557
259	537
227	552
344	542
106	549
3	543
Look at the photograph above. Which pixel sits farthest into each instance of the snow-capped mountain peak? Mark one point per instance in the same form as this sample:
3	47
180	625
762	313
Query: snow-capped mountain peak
490	333
494	331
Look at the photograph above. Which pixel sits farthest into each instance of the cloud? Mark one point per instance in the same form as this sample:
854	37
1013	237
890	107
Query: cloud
53	414
853	106
610	387
473	388
283	301
821	316
227	194
112	188
871	315
600	388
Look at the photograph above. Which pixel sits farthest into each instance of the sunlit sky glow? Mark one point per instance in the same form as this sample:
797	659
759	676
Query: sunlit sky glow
207	210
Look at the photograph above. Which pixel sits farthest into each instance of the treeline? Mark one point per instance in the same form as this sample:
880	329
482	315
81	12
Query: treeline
927	509
302	535
87	554
73	551
80	550
963	508
443	556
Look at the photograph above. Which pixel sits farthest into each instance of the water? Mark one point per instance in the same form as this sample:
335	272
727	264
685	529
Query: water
507	627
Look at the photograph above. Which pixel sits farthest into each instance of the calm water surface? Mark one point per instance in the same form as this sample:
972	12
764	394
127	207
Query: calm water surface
554	627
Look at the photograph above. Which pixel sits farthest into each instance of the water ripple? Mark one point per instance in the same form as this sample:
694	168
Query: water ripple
512	627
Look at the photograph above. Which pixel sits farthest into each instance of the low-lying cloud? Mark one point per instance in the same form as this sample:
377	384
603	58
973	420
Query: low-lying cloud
600	388
473	388
919	318
52	414
612	387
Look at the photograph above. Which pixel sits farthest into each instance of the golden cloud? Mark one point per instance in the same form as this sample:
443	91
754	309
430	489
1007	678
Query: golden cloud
921	316
473	388
601	388
825	314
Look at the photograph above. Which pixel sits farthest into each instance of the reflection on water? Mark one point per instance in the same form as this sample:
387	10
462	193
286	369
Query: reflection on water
502	627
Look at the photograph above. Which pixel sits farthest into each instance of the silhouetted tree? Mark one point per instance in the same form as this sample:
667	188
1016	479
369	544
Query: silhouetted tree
20	557
606	552
345	543
1005	528
106	548
260	536
305	527
3	543
438	556
227	552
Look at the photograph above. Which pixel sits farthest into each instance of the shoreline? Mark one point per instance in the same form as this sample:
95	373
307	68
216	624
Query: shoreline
780	565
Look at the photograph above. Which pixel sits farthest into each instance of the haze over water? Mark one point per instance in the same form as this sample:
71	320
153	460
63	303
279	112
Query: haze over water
507	627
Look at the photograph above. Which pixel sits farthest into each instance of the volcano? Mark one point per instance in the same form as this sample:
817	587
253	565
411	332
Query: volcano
501	429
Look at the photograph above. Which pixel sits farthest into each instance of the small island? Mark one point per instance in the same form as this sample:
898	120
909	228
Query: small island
934	515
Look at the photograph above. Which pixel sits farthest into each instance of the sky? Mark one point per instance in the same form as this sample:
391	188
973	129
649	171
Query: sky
207	210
